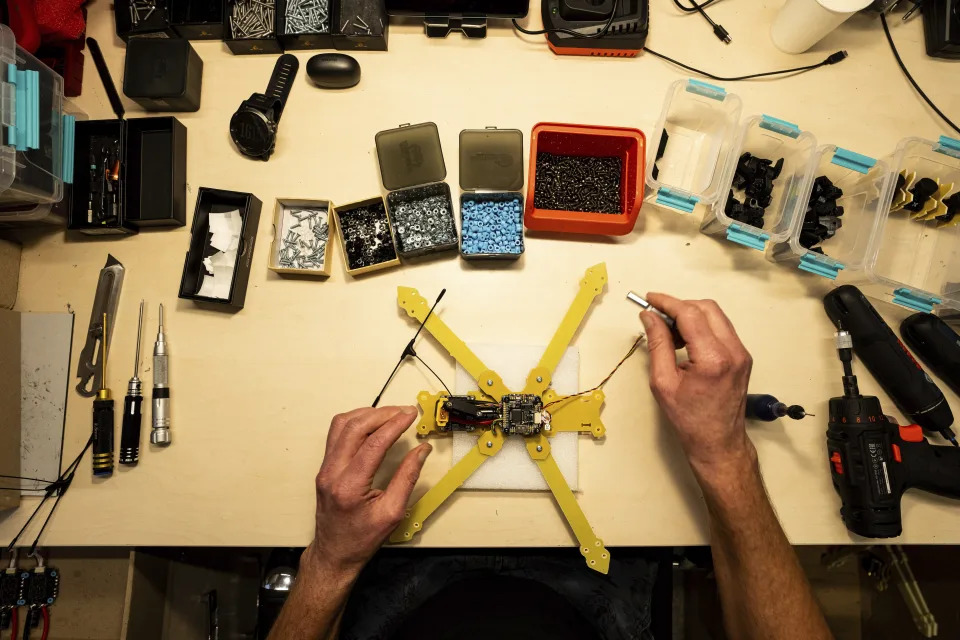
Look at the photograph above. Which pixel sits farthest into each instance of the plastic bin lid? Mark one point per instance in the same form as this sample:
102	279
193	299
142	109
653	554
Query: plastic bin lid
410	155
491	158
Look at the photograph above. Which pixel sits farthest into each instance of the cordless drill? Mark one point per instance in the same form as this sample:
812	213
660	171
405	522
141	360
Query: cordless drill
873	460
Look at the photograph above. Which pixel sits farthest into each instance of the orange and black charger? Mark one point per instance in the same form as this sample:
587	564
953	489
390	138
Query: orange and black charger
624	38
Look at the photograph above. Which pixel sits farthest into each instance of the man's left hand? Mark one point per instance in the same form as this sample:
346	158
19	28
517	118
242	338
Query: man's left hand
353	518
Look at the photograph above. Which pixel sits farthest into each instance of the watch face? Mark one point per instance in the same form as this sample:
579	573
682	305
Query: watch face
253	134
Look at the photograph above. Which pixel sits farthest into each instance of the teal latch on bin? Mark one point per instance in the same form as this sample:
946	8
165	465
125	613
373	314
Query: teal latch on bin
752	238
779	126
706	89
24	133
820	265
913	300
851	160
669	198
66	161
948	146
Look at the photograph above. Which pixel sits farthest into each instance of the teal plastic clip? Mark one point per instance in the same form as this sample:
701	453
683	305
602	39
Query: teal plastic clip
747	237
706	89
851	160
782	127
66	161
24	133
668	198
948	146
820	265
913	300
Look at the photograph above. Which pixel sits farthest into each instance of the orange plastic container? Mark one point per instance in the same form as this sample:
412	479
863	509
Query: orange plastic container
588	140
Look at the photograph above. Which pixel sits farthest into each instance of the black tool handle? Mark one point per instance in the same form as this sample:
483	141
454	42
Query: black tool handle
875	344
130	431
936	344
102	437
105	77
931	468
762	406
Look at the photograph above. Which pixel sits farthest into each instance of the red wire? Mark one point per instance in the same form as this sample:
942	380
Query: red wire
14	624
46	623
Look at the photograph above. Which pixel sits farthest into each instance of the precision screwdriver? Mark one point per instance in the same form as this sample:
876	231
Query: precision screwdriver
678	340
160	434
132	403
103	419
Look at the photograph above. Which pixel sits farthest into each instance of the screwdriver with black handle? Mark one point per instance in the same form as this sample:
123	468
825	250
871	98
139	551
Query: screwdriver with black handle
132	408
103	419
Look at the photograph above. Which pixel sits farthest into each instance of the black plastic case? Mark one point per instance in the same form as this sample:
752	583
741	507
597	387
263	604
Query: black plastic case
217	200
248	46
153	174
197	19
349	33
163	75
157	25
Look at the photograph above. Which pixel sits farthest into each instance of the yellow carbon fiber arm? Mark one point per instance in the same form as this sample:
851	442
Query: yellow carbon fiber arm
416	306
577	413
590	287
488	445
591	547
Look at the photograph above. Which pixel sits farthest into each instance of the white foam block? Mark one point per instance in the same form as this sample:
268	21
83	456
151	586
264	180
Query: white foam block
512	469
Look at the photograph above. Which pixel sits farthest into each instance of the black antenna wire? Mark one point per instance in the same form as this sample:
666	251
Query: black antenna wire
408	351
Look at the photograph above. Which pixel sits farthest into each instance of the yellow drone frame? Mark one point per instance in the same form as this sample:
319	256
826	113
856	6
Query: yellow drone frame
580	414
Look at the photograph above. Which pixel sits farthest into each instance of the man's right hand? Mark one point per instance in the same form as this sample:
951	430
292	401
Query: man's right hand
704	397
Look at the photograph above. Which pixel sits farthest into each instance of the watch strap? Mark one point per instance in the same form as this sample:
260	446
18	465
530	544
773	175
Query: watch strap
281	82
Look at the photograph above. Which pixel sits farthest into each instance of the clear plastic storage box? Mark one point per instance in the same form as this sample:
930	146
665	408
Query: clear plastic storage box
692	143
862	180
770	138
915	262
32	149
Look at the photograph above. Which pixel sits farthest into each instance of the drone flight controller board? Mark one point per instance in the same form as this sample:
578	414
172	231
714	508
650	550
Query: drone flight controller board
515	414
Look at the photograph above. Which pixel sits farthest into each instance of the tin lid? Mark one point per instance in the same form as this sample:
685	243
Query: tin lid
492	159
410	155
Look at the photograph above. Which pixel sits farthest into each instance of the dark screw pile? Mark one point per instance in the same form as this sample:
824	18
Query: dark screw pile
578	183
366	236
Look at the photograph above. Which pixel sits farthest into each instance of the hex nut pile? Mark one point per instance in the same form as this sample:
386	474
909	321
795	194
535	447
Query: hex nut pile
423	220
367	239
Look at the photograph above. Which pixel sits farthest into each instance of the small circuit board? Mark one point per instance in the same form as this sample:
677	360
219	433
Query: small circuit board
515	414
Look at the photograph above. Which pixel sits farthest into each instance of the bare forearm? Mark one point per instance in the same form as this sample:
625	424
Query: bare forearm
763	589
313	610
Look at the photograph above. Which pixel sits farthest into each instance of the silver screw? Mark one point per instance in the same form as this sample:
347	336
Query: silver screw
489	445
539	378
539	448
489	383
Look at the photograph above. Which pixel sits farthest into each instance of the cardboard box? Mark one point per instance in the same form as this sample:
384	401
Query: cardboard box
9	370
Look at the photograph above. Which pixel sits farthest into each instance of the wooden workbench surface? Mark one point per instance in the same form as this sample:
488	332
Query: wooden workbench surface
253	392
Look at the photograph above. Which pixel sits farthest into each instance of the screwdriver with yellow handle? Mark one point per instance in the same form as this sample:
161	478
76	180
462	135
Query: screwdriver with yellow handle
103	419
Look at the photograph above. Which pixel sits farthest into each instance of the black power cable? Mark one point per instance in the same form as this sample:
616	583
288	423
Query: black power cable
833	58
571	32
903	67
718	30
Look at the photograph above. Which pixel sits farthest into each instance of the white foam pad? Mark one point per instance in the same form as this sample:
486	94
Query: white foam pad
512	469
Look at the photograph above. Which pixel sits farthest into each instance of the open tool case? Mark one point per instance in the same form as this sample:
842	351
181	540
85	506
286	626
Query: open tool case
491	173
243	46
36	135
349	18
412	170
220	201
149	156
150	23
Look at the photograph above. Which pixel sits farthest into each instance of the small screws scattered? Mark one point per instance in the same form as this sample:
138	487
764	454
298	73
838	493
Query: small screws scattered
252	19
142	10
305	243
307	17
578	183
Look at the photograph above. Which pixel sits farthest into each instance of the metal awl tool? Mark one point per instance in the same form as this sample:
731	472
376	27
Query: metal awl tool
160	434
132	408
678	341
98	334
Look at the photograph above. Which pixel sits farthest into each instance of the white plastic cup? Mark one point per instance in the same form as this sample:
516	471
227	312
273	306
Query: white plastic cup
803	23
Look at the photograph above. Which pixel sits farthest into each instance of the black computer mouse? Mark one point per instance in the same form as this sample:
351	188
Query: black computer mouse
333	70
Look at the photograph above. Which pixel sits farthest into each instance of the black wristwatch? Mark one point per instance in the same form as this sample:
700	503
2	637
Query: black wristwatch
254	125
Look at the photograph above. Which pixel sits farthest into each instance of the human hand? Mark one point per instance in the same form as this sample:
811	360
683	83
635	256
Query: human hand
354	519
704	397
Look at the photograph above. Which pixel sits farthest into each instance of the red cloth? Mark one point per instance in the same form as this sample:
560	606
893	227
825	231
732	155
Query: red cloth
60	20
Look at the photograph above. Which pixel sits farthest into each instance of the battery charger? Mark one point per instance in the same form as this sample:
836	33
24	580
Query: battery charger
625	37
